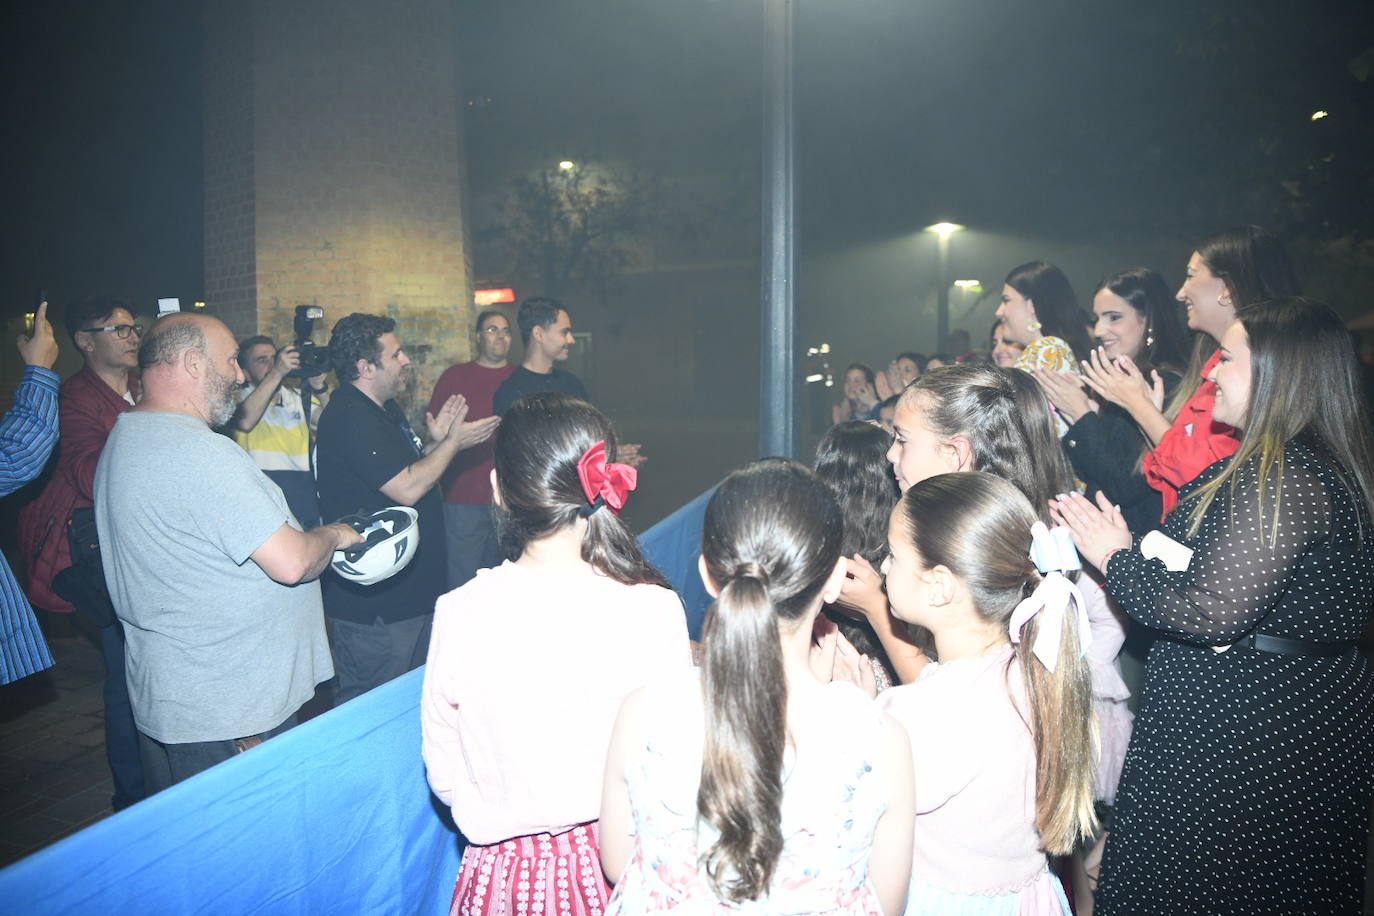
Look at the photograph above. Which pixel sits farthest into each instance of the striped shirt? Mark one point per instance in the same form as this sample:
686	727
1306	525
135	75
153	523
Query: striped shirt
27	436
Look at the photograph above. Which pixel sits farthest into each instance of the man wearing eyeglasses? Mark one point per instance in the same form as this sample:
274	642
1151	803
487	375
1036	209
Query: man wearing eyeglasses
471	532
102	328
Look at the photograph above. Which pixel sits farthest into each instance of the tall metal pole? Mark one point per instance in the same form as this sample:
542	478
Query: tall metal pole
778	394
942	314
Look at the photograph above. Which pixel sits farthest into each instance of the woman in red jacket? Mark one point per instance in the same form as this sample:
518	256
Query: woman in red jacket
1232	269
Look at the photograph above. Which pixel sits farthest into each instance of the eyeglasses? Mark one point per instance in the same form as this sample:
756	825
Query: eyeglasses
496	331
121	331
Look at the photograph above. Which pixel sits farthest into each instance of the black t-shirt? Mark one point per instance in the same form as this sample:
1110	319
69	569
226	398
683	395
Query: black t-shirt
361	446
522	382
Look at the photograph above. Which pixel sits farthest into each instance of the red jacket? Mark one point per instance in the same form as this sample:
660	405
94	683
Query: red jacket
1193	442
87	410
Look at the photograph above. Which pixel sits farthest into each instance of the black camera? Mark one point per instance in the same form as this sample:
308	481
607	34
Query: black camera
314	359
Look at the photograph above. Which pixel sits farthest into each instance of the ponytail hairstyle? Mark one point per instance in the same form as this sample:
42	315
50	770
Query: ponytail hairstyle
1253	264
979	527
538	445
771	539
1304	384
1056	306
1008	424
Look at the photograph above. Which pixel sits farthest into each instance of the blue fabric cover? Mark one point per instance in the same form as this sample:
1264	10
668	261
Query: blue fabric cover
335	816
673	545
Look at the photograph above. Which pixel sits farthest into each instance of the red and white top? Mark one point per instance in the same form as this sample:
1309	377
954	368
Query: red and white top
1193	442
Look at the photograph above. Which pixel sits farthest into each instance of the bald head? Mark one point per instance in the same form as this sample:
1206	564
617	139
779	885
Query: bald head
172	336
189	364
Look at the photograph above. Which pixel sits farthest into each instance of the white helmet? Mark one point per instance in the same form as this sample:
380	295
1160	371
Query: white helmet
390	537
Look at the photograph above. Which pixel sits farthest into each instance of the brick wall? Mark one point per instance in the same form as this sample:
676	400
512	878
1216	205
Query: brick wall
333	170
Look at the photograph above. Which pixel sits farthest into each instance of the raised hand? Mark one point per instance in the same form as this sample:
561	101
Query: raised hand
1065	391
39	348
288	360
1098	530
1118	380
455	408
863	588
470	434
628	453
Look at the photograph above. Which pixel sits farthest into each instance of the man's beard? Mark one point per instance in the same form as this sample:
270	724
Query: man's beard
219	398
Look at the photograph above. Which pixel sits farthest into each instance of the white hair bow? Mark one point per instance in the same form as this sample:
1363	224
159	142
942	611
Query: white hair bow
1054	554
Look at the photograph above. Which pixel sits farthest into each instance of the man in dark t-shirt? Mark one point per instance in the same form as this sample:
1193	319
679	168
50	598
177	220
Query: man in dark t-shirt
546	331
369	458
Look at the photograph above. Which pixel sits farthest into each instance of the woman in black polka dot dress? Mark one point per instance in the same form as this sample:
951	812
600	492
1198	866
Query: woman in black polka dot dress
1249	777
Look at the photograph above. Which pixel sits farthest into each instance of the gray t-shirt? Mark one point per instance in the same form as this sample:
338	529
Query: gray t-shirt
216	649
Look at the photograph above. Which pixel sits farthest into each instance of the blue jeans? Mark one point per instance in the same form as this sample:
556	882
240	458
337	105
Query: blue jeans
121	735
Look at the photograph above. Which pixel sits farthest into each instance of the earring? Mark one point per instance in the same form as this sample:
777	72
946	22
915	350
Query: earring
1034	326
1149	337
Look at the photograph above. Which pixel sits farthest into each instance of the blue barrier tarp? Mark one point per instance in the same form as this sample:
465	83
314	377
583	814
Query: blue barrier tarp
673	545
334	816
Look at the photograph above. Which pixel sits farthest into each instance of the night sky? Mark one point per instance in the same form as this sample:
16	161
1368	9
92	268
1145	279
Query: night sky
1052	120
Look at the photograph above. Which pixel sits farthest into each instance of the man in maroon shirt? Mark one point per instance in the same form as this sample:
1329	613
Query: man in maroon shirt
466	484
102	328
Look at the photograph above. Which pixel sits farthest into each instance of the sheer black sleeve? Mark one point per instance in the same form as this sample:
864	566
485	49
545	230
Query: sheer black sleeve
1241	564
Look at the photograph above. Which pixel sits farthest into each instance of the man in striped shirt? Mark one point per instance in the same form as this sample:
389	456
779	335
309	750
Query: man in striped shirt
27	436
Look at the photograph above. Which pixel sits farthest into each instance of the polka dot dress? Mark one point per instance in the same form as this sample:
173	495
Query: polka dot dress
1248	781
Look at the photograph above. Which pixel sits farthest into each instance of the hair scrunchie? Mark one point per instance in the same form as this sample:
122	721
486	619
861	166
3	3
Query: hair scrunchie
604	484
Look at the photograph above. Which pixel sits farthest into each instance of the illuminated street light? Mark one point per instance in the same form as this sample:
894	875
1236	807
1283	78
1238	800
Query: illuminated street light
567	165
943	231
1319	114
969	286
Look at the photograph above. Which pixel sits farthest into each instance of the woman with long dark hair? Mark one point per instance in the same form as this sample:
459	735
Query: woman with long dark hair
1137	320
755	786
529	661
852	461
1042	314
1228	271
1249	778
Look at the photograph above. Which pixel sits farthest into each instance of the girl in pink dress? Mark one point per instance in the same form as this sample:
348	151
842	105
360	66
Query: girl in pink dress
1003	729
759	785
529	662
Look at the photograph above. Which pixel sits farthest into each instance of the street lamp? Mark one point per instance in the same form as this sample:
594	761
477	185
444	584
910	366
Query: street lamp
567	165
943	231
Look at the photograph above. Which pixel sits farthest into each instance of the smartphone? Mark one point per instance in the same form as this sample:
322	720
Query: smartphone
39	298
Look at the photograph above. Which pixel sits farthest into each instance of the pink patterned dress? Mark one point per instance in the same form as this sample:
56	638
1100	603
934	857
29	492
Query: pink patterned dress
832	800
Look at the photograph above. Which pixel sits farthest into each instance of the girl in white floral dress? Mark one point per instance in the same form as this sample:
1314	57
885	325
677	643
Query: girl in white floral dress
758	785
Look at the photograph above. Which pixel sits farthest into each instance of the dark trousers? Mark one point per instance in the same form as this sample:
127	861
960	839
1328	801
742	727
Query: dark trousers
367	655
168	764
121	735
472	544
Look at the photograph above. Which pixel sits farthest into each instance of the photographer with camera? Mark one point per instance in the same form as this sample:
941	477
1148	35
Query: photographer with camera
274	421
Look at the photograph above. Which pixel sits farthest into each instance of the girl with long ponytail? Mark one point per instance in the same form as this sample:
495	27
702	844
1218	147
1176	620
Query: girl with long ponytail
529	662
1004	732
758	785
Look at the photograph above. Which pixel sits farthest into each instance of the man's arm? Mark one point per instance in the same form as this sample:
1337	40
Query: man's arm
416	479
252	408
290	556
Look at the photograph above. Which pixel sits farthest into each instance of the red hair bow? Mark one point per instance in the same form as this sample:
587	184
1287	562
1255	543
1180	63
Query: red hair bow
608	483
